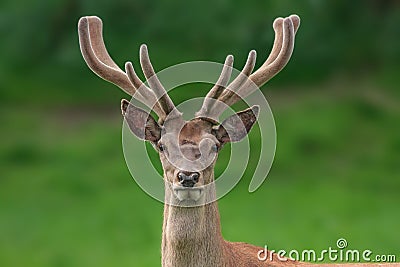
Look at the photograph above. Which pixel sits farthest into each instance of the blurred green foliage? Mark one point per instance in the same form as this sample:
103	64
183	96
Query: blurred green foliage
39	45
66	196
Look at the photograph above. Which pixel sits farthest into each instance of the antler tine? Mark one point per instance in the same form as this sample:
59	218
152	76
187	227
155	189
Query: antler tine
277	25
163	98
296	22
246	71
239	80
277	46
223	79
94	52
96	56
285	30
143	90
218	88
266	72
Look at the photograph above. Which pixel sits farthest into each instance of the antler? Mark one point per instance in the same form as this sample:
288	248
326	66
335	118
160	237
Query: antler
247	82
99	61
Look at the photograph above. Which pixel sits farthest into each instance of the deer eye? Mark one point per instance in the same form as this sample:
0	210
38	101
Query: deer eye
215	148
161	147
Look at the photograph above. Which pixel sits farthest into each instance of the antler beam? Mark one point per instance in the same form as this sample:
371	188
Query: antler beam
99	61
246	83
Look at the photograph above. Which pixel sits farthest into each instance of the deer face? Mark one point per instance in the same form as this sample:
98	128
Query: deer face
188	150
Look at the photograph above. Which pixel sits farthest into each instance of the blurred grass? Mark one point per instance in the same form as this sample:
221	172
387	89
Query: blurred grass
67	199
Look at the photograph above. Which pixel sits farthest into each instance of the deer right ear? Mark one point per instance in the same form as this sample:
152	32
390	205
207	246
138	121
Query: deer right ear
237	126
141	123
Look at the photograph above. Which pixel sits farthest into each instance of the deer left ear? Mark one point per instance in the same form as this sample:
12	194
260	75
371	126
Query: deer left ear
141	123
237	126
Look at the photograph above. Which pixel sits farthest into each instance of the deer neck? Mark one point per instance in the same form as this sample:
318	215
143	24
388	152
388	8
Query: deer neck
192	236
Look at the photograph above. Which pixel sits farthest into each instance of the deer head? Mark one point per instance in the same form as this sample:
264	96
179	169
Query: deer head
188	149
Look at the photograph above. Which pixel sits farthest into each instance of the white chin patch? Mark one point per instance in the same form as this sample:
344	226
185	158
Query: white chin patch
184	193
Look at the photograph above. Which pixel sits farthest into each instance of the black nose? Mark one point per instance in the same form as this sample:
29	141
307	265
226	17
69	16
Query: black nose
188	179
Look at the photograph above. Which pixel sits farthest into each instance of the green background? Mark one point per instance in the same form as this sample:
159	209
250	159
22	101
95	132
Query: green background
66	195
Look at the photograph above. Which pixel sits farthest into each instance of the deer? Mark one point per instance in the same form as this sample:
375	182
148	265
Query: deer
188	150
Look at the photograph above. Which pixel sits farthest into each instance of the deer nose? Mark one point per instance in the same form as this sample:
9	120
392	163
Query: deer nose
188	179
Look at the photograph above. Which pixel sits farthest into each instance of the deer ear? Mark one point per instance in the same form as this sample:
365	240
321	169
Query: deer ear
141	123
236	127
